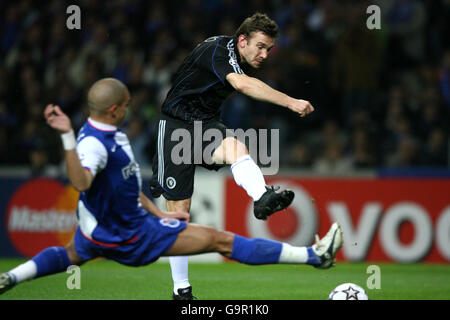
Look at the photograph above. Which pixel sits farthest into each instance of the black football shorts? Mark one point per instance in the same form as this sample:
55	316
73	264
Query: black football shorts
180	147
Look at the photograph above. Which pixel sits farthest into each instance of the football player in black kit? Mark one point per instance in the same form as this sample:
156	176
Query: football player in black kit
209	74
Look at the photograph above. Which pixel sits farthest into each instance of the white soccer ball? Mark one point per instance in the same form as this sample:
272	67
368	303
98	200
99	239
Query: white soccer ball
348	291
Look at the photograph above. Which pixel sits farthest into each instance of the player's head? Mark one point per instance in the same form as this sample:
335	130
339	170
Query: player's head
108	99
256	36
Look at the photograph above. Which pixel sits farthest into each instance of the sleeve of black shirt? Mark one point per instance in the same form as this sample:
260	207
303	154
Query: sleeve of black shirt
222	61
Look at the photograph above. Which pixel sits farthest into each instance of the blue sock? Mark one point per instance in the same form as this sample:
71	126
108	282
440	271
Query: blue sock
313	259
51	260
255	251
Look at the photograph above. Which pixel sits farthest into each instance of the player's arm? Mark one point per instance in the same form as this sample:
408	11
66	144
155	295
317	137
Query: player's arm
148	205
259	90
80	178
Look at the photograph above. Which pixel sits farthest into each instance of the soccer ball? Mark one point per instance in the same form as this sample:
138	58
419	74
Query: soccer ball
348	291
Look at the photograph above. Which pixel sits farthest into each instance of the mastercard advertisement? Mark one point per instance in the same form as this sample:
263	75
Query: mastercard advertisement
40	213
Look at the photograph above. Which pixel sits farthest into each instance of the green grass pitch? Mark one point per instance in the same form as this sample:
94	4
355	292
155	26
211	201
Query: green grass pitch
232	281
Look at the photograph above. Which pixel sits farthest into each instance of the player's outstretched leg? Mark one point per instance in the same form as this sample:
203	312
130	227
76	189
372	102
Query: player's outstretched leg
261	251
201	239
267	200
247	174
271	201
49	261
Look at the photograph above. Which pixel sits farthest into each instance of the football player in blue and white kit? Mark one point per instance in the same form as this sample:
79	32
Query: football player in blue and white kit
113	213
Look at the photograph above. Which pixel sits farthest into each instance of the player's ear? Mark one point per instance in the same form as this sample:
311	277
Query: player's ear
112	110
242	40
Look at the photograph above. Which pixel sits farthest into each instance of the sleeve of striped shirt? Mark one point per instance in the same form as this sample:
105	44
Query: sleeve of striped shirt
93	155
224	60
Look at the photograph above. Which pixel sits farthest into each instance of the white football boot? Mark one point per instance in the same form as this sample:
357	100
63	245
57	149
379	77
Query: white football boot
327	247
6	282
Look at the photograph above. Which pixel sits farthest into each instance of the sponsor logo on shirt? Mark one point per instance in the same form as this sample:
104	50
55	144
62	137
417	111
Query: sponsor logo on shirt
130	170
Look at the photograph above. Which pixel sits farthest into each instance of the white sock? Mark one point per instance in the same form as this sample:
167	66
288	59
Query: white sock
180	272
24	271
249	176
291	254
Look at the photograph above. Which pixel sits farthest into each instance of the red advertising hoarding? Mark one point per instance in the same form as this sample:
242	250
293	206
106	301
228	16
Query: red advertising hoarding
400	220
40	214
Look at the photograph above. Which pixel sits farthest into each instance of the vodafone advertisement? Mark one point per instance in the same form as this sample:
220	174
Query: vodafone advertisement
390	220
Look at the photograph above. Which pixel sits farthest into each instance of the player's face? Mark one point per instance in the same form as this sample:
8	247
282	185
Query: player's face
255	49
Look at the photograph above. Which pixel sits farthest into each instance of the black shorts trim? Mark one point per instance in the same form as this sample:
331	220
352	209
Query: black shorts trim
157	190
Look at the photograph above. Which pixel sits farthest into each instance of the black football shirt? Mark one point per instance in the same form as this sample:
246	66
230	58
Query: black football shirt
199	86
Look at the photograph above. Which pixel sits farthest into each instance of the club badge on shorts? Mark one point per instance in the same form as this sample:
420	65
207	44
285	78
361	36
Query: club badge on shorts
170	222
171	182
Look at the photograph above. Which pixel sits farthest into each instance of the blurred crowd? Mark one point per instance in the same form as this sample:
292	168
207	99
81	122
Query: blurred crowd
382	96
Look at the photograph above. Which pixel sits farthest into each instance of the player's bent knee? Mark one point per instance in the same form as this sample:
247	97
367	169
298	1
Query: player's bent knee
235	149
240	147
223	242
241	150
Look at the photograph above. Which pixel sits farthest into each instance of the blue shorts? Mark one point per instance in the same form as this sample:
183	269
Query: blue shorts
155	237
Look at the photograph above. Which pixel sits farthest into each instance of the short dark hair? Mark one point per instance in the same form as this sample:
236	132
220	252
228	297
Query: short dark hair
258	22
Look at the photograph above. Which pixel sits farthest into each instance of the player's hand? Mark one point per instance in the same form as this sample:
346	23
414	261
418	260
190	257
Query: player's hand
183	216
57	119
302	107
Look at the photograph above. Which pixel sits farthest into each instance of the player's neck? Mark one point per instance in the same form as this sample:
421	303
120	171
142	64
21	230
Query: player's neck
103	123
